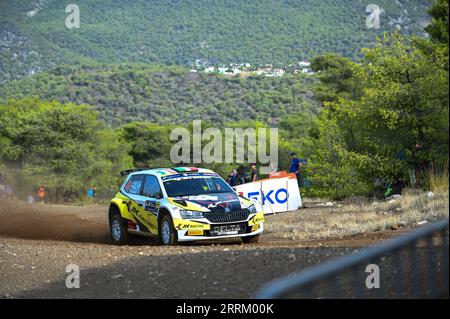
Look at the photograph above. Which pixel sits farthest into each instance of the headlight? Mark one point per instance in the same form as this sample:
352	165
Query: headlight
252	209
186	214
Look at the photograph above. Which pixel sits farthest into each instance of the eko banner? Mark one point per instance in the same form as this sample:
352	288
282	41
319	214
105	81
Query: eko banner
279	193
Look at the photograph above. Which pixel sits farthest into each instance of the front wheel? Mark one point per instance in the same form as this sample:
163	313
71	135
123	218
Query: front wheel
250	239
167	235
119	232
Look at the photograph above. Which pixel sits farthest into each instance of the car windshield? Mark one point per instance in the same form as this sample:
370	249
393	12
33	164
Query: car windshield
196	186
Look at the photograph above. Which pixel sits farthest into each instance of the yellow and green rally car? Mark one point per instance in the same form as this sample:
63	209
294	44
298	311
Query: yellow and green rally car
181	204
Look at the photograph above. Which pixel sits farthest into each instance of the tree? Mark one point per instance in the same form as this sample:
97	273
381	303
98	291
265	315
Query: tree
337	77
150	143
438	28
405	105
63	147
332	169
399	122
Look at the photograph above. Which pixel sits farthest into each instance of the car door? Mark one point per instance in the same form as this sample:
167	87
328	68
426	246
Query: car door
137	205
150	197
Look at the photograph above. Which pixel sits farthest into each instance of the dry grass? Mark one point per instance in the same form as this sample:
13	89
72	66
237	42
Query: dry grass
436	179
359	217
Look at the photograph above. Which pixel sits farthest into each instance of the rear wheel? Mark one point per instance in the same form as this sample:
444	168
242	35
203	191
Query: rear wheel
250	239
167	234
119	233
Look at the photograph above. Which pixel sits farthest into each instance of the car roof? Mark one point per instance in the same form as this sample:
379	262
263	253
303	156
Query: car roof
167	171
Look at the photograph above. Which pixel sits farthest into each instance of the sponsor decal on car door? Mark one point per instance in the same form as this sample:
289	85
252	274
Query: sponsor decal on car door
147	218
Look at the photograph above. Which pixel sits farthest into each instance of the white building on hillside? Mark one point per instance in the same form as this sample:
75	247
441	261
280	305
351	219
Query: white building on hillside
304	64
222	69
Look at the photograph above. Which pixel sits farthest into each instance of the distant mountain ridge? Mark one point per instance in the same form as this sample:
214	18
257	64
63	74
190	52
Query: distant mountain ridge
126	93
33	37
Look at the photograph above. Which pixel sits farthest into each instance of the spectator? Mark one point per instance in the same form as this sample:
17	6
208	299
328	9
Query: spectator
296	164
235	179
242	172
254	173
90	195
240	178
41	194
30	199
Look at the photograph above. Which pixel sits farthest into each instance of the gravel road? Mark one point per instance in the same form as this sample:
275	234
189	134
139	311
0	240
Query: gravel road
37	242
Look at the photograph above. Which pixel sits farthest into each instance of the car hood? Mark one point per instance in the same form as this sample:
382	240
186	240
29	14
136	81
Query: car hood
210	202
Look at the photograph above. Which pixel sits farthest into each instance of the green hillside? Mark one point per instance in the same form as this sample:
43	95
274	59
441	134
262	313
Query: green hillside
33	36
125	93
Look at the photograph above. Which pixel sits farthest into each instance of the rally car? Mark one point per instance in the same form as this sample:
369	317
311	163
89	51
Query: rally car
181	204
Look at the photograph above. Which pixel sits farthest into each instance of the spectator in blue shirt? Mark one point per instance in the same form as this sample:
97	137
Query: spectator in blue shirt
235	179
90	195
296	164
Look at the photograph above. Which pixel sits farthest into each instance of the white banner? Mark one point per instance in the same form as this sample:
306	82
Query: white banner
279	193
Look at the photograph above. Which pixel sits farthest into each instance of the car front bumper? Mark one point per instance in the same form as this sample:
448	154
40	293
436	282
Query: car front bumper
183	235
200	229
